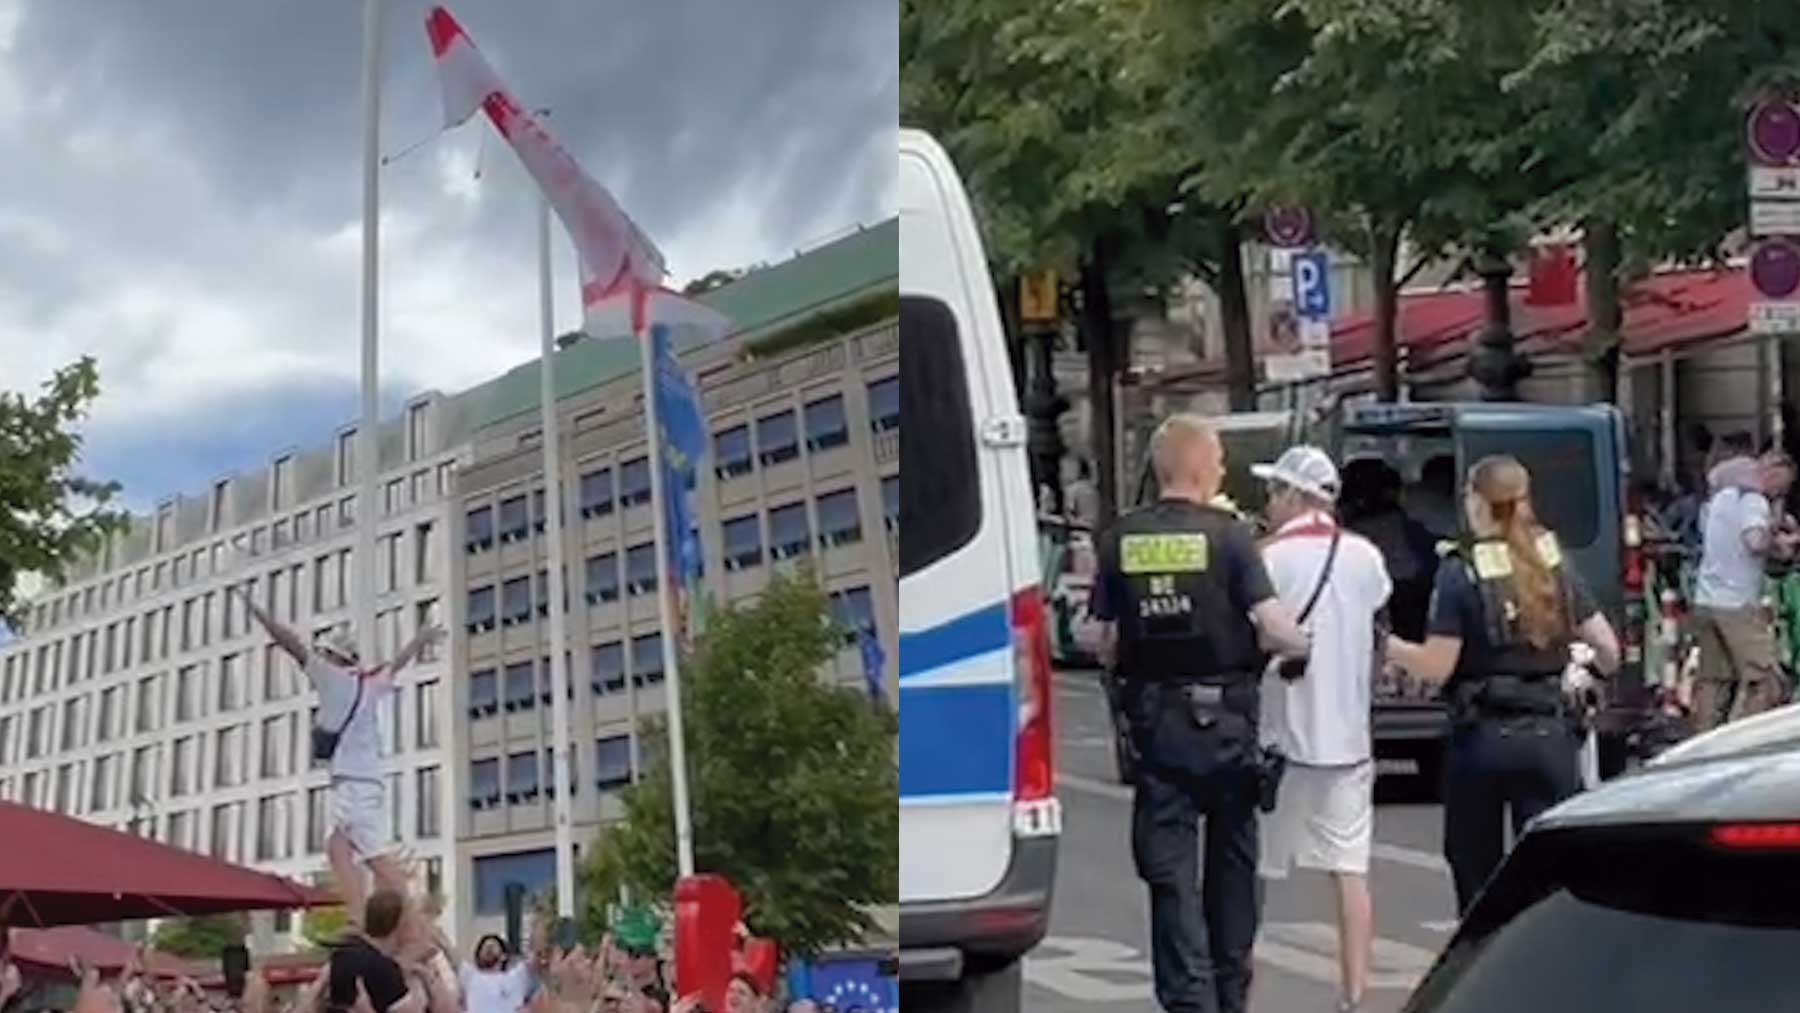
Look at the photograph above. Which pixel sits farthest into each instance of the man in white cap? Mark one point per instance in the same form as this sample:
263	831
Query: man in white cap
1337	584
348	735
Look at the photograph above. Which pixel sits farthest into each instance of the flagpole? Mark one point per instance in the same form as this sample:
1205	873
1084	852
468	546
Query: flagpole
684	830
553	499
366	443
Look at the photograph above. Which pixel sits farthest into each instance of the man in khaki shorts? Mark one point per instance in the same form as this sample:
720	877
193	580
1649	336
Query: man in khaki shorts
1739	672
1324	817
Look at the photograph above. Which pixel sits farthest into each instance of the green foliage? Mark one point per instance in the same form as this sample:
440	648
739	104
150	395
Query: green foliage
829	325
323	926
50	516
198	938
794	786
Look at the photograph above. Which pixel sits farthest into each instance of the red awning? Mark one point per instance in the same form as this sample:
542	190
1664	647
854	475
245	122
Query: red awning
1669	310
52	949
55	870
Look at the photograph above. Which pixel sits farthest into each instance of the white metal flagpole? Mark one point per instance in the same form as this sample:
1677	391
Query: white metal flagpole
367	446
553	535
684	829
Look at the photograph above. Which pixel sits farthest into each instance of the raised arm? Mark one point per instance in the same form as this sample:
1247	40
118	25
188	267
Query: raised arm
426	636
284	637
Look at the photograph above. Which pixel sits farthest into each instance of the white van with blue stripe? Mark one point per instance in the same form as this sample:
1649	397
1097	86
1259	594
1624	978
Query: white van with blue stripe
979	820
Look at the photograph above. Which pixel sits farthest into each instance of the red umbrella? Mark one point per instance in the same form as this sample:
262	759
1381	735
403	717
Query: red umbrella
55	870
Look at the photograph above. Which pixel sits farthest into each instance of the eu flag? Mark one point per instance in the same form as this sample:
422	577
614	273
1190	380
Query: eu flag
683	431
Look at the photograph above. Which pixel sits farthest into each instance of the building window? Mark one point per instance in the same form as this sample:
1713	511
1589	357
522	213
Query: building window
597	493
181	760
612	762
515	523
840	522
522	778
396	784
481	529
228	757
346	458
776	438
415	431
275	748
731	449
481	609
890	502
278	675
884	404
426	615
425	552
543	594
71	724
221	492
825	424
316	828
429	821
549	767
789	533
393	497
534	871
540	511
516	601
100	787
607	668
278	535
149	704
484	784
646	659
521	691
603	578
231	687
387	565
855	612
634	482
187	694
302	533
640	569
743	542
282	489
484	694
426	715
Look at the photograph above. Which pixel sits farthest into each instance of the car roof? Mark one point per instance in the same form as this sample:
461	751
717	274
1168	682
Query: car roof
1745	771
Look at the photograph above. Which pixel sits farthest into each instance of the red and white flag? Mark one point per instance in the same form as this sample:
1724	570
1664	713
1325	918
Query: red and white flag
620	267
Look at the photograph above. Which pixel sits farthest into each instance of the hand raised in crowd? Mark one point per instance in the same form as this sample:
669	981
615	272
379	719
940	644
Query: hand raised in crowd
256	994
10	981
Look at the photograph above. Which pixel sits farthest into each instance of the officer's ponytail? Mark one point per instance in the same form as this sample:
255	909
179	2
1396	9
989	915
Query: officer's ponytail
1505	486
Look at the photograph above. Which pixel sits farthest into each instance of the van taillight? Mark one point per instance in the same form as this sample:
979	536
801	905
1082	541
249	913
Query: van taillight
1633	555
1750	836
1034	774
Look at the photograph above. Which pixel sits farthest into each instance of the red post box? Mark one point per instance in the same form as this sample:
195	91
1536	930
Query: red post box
707	912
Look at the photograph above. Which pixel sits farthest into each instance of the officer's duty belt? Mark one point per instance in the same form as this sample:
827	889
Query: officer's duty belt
1234	693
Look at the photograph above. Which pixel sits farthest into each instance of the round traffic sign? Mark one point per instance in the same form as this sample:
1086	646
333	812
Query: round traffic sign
1288	225
1773	132
1775	268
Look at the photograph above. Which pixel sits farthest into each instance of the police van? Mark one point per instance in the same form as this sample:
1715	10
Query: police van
979	820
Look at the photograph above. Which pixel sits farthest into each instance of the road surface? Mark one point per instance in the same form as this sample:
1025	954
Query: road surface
1097	955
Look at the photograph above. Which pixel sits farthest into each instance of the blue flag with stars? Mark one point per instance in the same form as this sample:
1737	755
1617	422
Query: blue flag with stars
874	659
683	430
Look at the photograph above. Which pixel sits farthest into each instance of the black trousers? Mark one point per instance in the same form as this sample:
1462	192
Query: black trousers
1202	926
1527	763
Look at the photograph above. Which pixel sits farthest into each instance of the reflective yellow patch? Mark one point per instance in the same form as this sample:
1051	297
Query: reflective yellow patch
1548	550
1492	561
1171	553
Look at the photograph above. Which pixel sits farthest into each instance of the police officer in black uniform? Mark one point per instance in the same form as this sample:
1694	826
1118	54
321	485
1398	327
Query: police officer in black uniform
1179	582
1505	610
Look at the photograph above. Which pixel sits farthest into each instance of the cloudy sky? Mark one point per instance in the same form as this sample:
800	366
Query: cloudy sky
182	193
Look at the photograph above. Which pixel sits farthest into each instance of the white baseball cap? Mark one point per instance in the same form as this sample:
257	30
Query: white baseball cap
1307	469
343	644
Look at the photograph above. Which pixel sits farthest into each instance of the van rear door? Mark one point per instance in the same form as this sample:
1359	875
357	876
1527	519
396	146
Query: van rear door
968	554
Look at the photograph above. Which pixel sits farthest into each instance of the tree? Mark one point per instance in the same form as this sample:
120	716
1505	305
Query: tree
50	516
1647	98
795	789
324	926
711	280
198	938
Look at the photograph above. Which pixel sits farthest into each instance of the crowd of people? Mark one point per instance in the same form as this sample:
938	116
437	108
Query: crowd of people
397	960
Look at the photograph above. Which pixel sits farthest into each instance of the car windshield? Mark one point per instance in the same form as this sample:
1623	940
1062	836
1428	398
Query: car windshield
1641	919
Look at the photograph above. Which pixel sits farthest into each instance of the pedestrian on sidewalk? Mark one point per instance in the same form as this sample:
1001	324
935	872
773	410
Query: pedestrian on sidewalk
1337	584
1504	614
1739	672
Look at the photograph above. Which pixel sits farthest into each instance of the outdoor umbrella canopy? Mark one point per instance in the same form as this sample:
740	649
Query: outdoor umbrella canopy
56	870
51	950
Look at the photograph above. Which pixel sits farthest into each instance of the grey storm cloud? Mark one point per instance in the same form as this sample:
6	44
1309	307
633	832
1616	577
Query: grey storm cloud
186	191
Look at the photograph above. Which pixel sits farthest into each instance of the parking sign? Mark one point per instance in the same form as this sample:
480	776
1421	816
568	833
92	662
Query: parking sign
1312	285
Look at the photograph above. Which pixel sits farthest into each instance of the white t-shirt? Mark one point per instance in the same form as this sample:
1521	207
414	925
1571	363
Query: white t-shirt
1323	719
359	749
495	991
1731	576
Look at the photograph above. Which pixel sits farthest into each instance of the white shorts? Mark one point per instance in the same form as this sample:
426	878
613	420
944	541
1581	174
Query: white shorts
357	810
1324	819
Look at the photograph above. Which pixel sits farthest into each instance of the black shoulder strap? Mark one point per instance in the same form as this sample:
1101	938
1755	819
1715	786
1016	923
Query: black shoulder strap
355	702
1337	534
